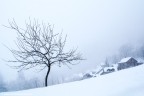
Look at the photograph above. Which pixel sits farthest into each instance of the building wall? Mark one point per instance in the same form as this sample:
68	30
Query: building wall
131	63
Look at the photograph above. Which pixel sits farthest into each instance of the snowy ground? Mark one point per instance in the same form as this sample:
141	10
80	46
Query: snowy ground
128	82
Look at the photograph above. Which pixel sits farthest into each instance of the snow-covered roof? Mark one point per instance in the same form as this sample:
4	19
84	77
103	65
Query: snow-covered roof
140	60
125	60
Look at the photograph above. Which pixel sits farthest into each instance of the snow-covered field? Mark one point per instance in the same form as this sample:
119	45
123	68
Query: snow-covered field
128	82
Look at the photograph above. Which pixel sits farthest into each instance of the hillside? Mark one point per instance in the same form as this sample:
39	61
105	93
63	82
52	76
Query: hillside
128	82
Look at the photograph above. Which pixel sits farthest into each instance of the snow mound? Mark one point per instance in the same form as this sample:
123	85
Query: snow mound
127	82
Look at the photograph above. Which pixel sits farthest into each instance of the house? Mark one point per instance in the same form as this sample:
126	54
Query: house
88	75
127	62
106	70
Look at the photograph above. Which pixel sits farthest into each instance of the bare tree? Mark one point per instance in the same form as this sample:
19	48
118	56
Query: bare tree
107	62
38	45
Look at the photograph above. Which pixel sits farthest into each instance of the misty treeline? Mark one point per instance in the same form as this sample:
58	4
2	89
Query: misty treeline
127	50
20	83
2	84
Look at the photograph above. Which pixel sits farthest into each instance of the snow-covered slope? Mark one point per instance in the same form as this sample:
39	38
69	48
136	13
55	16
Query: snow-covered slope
128	82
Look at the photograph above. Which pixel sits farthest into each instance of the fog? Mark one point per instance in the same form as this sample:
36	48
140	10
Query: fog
96	27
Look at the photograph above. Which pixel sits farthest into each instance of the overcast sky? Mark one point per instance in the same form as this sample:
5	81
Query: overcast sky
97	27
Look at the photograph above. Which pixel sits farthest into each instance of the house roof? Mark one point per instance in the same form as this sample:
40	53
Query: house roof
124	60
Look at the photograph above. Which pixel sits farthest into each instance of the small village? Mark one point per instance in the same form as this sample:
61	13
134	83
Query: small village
103	69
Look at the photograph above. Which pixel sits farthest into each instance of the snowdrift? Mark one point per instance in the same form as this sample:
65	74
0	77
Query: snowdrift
127	82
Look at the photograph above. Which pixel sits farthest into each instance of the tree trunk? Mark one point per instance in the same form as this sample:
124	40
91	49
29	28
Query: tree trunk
46	78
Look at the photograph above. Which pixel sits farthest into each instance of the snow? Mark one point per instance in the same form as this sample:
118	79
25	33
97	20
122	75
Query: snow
75	77
127	82
98	68
125	60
